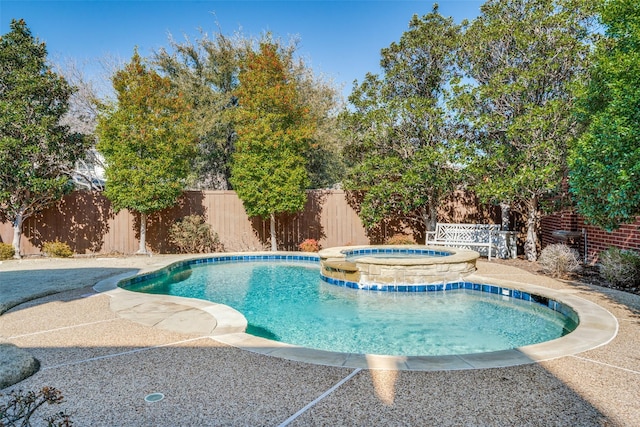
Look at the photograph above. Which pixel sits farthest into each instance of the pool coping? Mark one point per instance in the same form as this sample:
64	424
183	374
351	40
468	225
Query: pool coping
597	327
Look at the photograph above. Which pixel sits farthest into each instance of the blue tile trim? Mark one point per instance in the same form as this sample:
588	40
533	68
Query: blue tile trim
479	287
373	251
217	259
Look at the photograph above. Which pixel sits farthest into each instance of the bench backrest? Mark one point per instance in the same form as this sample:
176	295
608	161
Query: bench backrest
466	232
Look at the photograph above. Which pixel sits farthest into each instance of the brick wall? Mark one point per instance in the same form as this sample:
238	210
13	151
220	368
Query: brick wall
598	240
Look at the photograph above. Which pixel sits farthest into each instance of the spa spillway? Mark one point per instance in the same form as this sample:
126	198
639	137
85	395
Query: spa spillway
405	268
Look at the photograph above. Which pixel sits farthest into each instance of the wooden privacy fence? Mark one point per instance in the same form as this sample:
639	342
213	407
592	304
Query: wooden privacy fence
86	222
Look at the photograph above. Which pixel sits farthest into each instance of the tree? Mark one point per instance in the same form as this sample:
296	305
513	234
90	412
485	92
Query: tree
401	143
82	118
325	164
274	128
206	71
522	57
82	115
147	141
605	160
37	152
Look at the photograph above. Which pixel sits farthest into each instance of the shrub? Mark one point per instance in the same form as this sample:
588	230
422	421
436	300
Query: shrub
6	251
400	239
559	260
309	245
192	234
620	266
57	249
21	406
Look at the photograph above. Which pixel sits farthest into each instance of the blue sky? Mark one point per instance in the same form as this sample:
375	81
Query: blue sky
340	39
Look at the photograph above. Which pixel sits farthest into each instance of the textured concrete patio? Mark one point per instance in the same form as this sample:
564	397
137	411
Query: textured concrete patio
106	359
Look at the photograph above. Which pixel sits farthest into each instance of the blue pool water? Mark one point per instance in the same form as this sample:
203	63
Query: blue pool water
395	253
288	302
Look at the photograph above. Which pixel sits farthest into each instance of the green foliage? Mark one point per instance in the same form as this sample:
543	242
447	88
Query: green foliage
207	73
36	152
605	160
400	239
57	249
309	245
147	141
21	406
193	235
522	57
559	260
620	266
401	145
274	129
269	181
6	251
324	161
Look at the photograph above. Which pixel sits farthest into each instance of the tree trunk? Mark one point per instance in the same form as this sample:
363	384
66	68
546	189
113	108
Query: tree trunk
272	228
531	243
424	214
17	233
504	220
142	249
429	216
433	219
432	213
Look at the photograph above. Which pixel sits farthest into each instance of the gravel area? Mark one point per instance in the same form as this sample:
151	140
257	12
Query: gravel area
105	366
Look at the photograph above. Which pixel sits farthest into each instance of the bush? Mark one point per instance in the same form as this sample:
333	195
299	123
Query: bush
559	260
6	251
57	249
192	234
309	245
400	239
620	266
21	406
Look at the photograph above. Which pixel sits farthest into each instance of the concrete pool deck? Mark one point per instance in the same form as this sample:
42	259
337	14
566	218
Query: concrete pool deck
105	363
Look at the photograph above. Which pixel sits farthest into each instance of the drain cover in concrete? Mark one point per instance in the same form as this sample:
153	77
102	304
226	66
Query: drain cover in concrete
154	397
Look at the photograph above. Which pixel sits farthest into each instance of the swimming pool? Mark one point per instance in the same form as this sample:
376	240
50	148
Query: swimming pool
285	300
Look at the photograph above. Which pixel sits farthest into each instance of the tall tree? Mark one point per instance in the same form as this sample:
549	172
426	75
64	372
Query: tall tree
82	118
206	71
325	164
274	129
147	141
400	141
37	152
605	161
522	56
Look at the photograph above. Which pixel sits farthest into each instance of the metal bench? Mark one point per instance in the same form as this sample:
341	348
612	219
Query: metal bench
466	236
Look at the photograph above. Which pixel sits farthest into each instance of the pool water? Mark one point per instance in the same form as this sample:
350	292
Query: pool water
385	253
288	302
398	255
